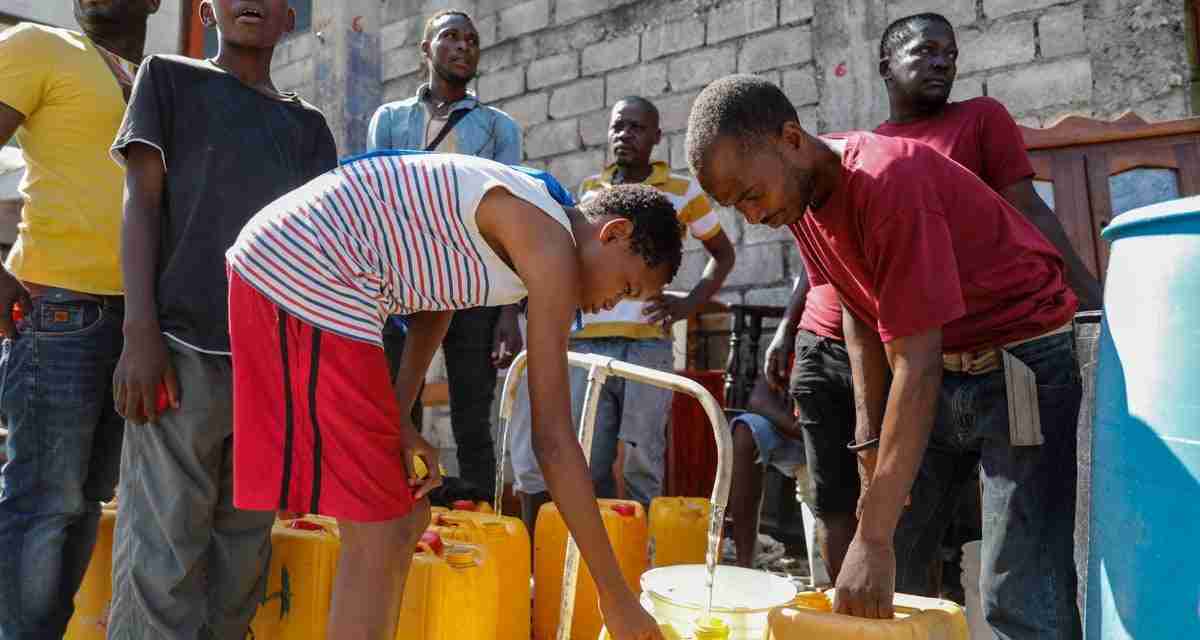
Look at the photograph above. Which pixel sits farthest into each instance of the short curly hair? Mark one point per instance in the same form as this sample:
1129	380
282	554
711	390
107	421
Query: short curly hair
657	234
900	30
428	33
745	107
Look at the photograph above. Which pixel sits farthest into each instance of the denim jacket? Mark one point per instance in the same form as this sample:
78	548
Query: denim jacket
485	132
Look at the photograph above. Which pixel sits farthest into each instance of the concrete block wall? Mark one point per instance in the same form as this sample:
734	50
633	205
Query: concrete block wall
558	65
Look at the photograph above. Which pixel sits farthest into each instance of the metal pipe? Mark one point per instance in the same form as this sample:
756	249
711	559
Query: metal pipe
600	367
646	375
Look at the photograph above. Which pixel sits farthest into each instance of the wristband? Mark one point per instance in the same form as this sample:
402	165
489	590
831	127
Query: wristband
873	443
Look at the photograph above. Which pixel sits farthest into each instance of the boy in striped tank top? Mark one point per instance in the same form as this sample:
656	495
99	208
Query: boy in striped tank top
313	278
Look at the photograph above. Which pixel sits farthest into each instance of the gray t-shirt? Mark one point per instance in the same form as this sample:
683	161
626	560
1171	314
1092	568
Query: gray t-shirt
229	151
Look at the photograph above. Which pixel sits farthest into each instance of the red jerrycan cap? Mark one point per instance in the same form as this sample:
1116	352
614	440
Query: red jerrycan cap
626	510
464	505
432	540
305	525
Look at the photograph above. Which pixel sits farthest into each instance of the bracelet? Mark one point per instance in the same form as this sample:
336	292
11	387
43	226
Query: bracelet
873	443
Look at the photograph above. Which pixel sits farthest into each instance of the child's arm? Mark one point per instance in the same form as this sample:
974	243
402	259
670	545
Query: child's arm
144	363
544	256
425	333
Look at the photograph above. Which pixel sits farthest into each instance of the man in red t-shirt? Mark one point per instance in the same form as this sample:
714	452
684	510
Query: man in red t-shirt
918	57
935	271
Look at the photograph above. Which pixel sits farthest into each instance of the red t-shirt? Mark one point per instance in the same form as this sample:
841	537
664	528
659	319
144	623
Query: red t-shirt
913	241
823	312
979	134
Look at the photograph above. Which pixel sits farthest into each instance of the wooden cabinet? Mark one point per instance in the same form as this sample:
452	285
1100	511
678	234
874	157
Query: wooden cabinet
1090	171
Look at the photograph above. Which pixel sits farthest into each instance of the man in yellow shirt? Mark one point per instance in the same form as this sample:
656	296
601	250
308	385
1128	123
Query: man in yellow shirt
633	331
63	94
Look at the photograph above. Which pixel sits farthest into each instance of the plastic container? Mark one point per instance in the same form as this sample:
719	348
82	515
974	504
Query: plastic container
452	596
1142	578
678	531
811	616
90	620
304	554
976	621
625	522
742	598
507	543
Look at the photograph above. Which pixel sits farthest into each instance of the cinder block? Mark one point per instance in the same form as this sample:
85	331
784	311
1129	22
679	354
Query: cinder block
402	32
529	109
523	18
593	128
757	264
498	85
960	13
776	49
673	111
1061	32
967	88
800	86
736	19
698	68
402	61
558	136
1001	8
610	54
553	70
672	37
773	297
1000	45
1034	87
570	10
572	168
795	11
646	80
576	98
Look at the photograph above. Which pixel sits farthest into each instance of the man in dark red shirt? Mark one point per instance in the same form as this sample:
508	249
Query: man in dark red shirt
935	272
918	61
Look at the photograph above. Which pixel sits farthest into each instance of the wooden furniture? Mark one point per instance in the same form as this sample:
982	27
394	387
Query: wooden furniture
1090	171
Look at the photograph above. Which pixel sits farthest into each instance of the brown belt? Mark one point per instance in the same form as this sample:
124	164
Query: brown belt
987	359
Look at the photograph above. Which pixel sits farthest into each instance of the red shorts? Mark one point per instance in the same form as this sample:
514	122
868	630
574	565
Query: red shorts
316	424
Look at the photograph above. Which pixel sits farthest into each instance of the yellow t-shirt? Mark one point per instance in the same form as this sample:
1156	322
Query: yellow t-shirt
69	235
627	319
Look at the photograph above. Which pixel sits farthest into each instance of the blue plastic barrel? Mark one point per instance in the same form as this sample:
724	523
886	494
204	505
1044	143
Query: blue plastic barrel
1144	556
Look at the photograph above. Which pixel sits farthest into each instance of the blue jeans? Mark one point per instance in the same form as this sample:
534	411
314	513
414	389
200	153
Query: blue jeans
64	451
1028	580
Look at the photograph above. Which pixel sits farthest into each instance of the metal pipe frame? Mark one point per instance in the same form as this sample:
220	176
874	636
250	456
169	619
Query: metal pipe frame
600	368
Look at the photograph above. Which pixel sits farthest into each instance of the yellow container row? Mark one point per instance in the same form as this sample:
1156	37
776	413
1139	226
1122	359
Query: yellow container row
470	580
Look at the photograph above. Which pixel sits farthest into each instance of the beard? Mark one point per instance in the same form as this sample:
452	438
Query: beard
452	77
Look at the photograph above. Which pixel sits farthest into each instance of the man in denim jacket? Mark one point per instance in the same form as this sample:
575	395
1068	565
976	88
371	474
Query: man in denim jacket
445	117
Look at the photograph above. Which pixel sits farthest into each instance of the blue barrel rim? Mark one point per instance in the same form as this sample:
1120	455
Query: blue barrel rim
1179	209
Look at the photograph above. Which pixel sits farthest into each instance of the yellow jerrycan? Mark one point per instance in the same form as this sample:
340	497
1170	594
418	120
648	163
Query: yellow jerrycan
625	522
304	553
451	595
917	618
90	620
507	543
678	531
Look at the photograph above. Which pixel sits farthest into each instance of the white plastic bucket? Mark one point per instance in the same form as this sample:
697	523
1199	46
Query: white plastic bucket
742	598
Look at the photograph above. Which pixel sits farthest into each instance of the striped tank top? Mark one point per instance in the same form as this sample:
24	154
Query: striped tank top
381	235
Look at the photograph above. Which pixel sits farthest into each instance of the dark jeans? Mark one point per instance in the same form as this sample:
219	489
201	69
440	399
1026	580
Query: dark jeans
64	452
472	380
1028	580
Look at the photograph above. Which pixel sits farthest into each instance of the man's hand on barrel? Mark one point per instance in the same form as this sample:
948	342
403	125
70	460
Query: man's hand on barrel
867	582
